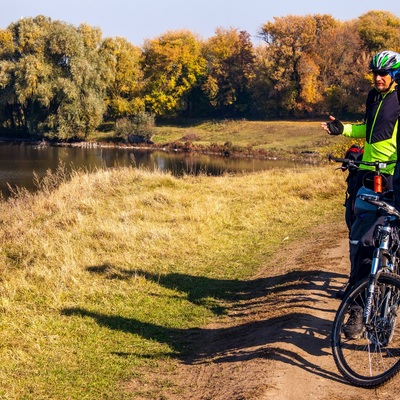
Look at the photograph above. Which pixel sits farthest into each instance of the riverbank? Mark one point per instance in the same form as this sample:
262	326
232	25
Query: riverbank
295	140
106	275
290	140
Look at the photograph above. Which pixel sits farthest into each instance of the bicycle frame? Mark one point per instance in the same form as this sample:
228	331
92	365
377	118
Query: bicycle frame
386	249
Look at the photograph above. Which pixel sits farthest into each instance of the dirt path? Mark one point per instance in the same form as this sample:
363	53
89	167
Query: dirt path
275	342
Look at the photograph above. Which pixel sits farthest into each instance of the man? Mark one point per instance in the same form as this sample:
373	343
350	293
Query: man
380	132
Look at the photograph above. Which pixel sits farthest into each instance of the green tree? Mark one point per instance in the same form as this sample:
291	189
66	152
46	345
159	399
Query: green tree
23	72
53	77
264	97
80	81
379	30
7	92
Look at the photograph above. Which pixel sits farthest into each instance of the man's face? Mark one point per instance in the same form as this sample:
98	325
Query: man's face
382	81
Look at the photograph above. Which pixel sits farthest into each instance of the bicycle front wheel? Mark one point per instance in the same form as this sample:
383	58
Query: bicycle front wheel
372	356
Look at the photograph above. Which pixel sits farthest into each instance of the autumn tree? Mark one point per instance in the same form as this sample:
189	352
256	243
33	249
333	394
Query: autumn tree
125	83
172	65
343	71
291	43
61	81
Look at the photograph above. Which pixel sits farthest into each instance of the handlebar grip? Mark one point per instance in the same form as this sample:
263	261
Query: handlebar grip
338	159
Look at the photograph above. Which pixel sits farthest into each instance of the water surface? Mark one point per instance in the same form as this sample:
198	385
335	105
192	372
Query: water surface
19	163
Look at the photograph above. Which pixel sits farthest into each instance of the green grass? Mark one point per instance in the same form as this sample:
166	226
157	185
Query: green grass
105	275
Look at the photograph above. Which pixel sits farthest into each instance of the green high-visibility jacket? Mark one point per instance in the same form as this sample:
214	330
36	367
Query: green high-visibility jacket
379	128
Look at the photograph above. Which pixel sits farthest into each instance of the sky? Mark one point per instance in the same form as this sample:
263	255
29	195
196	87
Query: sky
138	20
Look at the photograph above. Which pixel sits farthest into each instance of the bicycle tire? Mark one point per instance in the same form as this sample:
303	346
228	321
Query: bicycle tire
374	358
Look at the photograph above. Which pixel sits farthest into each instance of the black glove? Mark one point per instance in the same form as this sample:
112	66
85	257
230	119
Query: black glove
335	127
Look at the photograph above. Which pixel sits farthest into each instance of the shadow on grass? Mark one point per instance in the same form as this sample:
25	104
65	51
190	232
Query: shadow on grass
243	342
296	323
215	294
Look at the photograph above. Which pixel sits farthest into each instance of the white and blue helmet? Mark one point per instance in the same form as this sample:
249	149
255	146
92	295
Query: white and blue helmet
386	61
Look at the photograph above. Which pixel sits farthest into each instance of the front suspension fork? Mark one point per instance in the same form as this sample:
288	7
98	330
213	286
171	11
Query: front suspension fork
371	286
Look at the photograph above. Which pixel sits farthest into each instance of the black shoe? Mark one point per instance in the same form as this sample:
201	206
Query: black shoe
353	328
341	294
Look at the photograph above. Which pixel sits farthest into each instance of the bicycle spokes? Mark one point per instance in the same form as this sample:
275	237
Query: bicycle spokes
372	357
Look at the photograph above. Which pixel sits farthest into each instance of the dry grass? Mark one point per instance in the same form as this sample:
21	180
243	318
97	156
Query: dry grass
103	272
269	135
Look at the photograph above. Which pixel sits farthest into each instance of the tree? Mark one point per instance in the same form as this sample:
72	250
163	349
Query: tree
125	83
379	30
172	65
23	72
291	44
230	65
7	78
78	81
261	87
343	71
53	78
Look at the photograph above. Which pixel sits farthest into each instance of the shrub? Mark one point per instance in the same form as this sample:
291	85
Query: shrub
136	129
191	137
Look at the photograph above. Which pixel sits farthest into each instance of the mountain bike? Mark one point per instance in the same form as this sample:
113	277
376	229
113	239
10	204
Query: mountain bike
365	338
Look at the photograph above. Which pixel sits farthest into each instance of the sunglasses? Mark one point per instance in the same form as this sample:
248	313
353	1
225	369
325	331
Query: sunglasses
380	73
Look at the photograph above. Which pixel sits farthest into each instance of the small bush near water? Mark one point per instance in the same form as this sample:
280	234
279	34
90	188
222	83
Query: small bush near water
136	129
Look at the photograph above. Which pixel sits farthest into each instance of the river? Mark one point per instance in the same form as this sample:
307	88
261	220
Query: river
19	162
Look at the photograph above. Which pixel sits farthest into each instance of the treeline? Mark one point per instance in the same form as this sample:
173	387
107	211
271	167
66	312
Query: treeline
62	81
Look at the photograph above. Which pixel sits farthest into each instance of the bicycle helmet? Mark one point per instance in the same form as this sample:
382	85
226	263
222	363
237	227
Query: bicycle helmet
386	61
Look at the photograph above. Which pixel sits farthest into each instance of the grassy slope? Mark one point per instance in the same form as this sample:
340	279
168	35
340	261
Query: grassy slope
270	135
110	271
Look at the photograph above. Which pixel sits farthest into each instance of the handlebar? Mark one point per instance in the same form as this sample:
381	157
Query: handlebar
378	181
378	202
377	164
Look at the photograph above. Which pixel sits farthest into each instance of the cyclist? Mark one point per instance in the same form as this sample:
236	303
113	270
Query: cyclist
380	132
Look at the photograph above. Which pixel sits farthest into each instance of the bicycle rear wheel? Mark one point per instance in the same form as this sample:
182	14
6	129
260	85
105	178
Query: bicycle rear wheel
374	357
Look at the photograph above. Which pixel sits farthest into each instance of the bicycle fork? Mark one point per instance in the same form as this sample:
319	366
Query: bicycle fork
379	254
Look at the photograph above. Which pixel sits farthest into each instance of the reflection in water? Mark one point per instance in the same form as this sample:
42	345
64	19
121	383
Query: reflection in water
18	163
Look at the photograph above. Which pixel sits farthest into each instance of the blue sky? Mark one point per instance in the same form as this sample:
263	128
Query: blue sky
137	20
